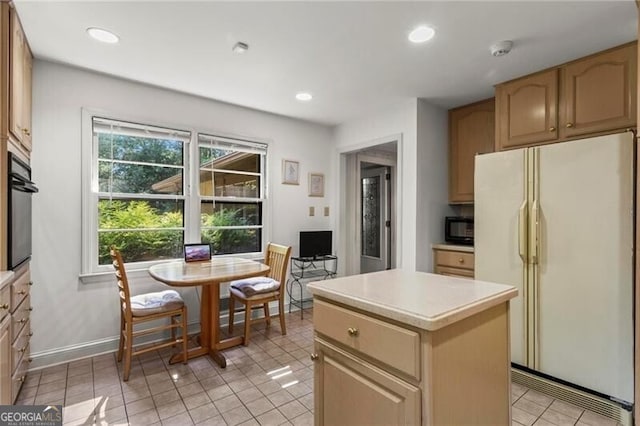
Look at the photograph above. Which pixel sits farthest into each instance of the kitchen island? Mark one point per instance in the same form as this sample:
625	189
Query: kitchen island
402	347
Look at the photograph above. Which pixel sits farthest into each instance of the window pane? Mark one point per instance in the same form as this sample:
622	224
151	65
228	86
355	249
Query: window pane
217	158
229	184
132	214
139	179
226	241
144	150
230	214
140	246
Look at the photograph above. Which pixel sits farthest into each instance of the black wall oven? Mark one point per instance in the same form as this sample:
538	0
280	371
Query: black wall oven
19	208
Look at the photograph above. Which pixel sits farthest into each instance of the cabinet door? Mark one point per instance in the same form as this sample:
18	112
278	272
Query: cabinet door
16	108
349	391
527	111
5	363
600	92
471	132
26	100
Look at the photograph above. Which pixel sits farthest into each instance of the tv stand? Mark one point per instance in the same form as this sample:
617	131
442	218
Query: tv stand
305	269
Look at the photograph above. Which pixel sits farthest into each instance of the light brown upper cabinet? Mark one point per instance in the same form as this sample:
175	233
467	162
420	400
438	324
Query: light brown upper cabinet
20	85
590	96
600	92
527	110
471	132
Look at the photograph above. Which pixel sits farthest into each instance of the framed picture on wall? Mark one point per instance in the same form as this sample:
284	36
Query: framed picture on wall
316	185
290	172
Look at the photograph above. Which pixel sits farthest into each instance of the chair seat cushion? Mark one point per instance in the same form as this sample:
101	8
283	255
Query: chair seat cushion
153	303
256	285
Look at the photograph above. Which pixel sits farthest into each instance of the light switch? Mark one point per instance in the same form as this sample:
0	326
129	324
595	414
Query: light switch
312	211
326	211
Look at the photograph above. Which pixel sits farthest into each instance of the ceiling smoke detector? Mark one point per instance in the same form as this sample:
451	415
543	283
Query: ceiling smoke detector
240	47
501	48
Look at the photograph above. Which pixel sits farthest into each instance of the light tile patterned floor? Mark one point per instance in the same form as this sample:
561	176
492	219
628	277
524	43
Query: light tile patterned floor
269	382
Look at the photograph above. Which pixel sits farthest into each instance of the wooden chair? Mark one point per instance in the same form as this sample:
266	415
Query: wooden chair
253	292
143	308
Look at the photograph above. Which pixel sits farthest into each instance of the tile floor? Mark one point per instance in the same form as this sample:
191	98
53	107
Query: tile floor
269	382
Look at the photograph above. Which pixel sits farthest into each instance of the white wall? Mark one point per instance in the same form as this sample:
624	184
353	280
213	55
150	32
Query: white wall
72	318
432	177
398	120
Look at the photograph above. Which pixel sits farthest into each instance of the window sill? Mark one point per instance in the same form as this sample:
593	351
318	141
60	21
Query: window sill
108	276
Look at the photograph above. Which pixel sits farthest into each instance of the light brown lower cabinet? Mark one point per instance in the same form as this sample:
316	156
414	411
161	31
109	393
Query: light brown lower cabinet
5	362
371	370
453	262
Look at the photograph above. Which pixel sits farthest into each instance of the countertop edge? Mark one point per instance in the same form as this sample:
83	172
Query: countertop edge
453	247
412	318
5	277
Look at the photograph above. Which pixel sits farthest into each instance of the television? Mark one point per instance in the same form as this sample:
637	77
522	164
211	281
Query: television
314	244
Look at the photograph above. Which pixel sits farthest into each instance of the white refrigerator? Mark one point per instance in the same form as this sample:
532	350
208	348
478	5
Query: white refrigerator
556	221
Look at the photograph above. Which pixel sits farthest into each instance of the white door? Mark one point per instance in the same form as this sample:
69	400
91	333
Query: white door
500	196
585	281
375	219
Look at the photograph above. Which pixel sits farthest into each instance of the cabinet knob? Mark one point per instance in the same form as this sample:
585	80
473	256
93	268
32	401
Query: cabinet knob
552	129
4	306
30	308
26	132
569	125
22	379
313	357
30	282
30	333
22	321
30	360
353	331
24	348
461	260
22	292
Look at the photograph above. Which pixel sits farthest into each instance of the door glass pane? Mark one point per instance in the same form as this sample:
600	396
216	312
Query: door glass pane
371	216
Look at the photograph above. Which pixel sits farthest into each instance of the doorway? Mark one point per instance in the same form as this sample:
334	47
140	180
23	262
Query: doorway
375	217
369	197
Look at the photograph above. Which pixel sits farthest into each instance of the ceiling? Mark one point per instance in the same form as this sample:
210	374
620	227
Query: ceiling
354	57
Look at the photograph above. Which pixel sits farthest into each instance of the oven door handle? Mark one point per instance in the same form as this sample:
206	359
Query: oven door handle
22	185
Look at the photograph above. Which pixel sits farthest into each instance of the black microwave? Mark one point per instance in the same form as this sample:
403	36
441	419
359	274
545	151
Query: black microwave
458	230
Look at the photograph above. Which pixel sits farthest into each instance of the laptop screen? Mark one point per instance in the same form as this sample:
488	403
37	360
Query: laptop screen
197	252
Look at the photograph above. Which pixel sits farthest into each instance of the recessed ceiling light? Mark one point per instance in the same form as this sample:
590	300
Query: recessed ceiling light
240	47
421	34
103	35
303	96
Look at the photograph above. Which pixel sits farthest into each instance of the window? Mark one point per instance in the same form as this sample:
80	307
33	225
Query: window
148	190
231	190
138	196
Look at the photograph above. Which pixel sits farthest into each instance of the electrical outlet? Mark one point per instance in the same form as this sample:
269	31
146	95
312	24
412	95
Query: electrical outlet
312	211
326	211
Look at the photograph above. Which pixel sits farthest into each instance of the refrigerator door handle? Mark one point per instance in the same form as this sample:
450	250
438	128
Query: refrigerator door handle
522	231
535	236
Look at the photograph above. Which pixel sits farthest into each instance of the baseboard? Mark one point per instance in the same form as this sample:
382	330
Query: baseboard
76	352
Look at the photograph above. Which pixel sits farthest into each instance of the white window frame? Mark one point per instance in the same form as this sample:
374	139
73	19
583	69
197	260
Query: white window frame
90	269
243	145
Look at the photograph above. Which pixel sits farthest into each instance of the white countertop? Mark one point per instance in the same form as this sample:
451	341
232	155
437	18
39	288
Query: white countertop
5	277
426	301
445	246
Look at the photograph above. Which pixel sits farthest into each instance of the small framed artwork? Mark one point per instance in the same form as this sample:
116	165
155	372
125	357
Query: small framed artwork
316	185
290	172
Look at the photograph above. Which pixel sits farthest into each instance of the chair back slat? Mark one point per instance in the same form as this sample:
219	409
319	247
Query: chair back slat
278	260
122	281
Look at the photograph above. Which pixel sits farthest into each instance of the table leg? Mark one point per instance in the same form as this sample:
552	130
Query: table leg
205	330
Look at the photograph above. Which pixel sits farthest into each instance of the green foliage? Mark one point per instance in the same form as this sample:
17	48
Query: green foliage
228	240
138	245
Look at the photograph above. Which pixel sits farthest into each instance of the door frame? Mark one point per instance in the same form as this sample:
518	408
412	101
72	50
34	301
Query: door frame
348	241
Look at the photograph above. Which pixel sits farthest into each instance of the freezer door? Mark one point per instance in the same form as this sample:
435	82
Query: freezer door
584	276
501	231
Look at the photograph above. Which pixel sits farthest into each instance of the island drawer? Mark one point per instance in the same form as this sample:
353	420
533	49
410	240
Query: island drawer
390	344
